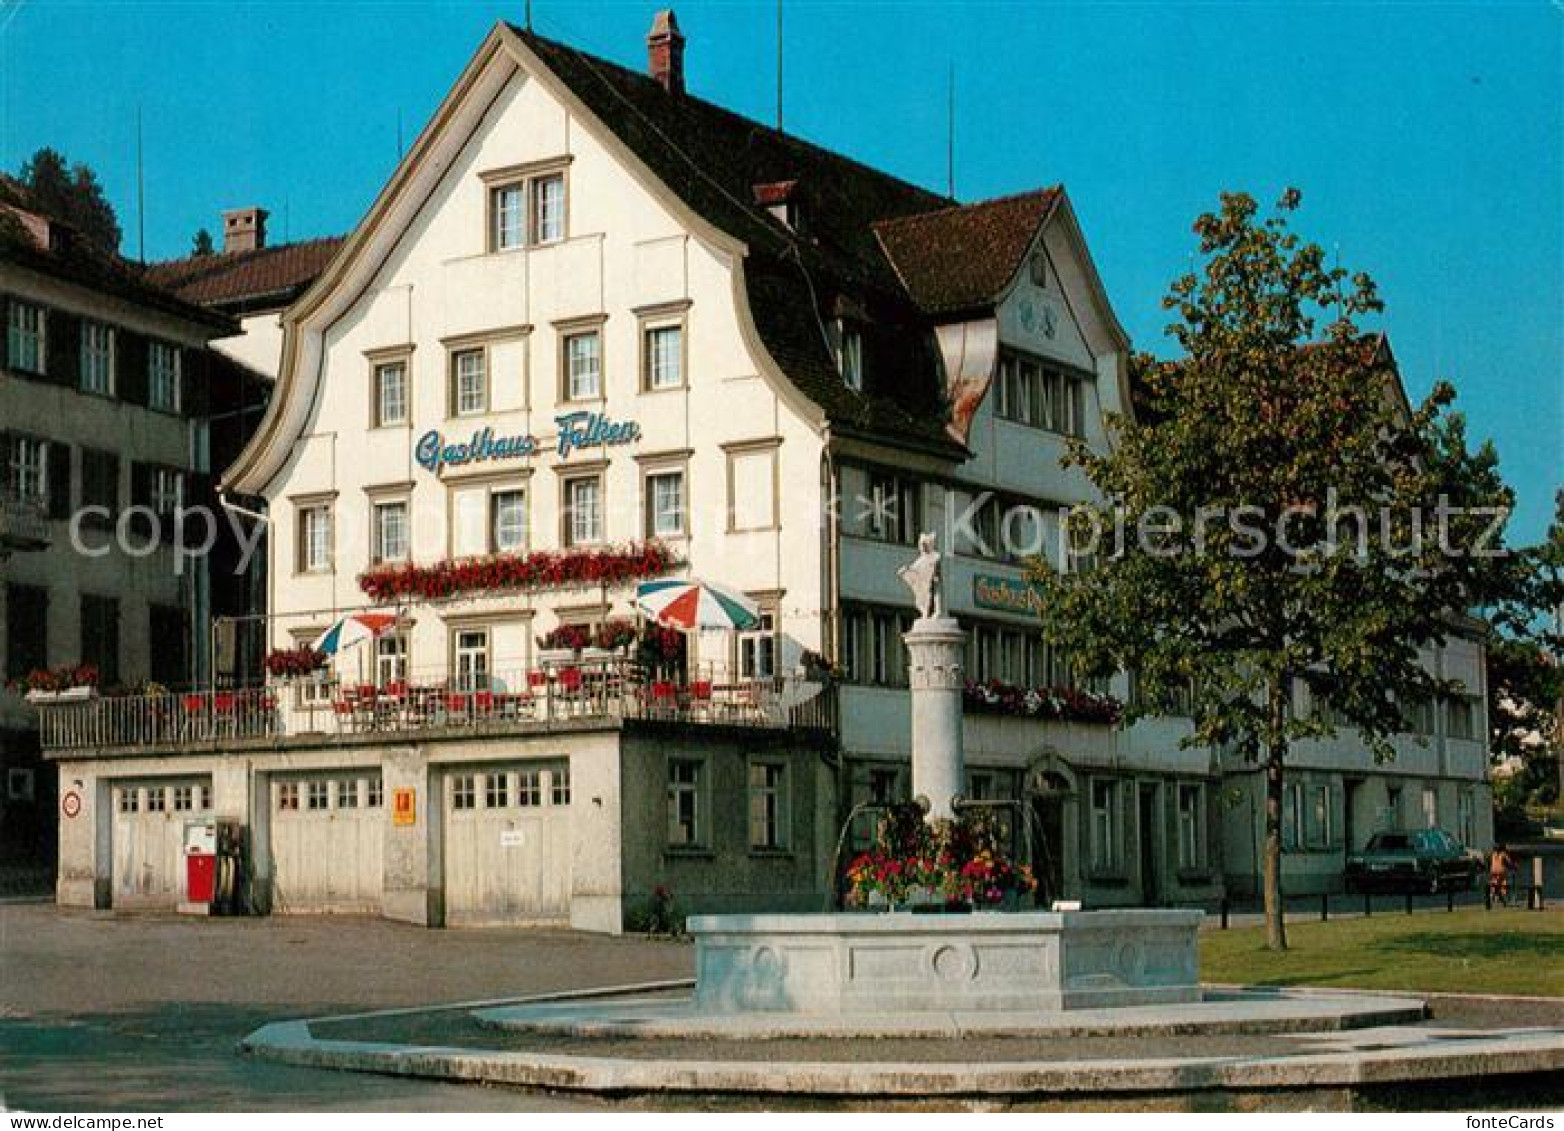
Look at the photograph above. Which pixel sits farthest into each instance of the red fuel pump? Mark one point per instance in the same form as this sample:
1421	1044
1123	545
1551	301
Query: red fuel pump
200	867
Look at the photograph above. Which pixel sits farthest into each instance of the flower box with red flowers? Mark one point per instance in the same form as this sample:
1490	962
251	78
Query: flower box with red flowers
1063	704
517	573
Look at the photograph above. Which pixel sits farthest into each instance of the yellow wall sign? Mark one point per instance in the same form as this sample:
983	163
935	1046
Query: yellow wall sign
404	807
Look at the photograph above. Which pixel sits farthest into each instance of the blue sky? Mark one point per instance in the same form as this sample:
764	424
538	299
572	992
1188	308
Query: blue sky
1428	139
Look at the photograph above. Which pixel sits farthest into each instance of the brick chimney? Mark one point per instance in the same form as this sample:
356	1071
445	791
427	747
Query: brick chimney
665	52
244	229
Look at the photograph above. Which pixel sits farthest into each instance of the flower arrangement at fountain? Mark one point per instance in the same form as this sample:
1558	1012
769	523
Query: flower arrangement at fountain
540	570
952	863
1065	704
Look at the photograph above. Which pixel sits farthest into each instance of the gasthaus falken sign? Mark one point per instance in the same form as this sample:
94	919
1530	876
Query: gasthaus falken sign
577	432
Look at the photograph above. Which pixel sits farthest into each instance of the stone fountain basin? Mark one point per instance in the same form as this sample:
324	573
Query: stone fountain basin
899	963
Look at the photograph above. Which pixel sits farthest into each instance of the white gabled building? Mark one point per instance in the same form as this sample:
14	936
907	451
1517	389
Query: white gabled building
595	319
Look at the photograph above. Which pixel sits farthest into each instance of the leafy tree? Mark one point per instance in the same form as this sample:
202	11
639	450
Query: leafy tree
1526	675
1275	515
72	194
202	243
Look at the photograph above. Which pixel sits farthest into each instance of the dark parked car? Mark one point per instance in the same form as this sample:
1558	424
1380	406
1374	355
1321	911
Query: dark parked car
1428	860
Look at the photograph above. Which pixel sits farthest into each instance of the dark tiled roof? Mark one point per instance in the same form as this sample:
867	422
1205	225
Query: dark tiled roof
960	258
714	159
71	259
268	276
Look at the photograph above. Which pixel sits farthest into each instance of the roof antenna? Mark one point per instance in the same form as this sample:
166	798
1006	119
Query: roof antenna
529	15
141	195
950	135
779	66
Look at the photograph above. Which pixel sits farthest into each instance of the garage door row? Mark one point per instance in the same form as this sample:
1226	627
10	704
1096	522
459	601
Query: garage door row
506	841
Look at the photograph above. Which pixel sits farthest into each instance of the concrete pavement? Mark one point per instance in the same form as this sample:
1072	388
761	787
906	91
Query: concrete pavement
105	1013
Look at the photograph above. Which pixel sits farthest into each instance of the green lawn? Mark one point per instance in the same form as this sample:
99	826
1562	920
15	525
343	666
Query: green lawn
1479	952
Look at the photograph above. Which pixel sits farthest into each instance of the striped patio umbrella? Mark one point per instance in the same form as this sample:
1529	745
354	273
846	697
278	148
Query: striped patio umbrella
353	630
692	604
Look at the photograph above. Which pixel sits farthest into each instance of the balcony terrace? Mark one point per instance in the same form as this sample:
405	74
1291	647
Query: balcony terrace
556	696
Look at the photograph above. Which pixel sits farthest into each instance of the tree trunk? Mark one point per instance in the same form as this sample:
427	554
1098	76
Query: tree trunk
1275	756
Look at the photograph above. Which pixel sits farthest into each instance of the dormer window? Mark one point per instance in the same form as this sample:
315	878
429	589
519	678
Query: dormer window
850	357
781	200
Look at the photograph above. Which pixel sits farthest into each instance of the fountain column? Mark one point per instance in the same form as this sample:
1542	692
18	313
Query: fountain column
936	654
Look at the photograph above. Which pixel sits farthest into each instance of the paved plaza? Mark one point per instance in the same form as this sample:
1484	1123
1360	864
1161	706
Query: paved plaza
122	1013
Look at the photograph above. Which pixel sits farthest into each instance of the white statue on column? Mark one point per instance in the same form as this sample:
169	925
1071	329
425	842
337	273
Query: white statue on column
926	578
936	646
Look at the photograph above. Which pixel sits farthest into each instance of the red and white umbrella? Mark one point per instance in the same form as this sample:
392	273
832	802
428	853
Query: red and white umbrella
694	604
353	630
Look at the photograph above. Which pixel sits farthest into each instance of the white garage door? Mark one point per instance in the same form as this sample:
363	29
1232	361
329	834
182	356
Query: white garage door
149	838
507	844
328	833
